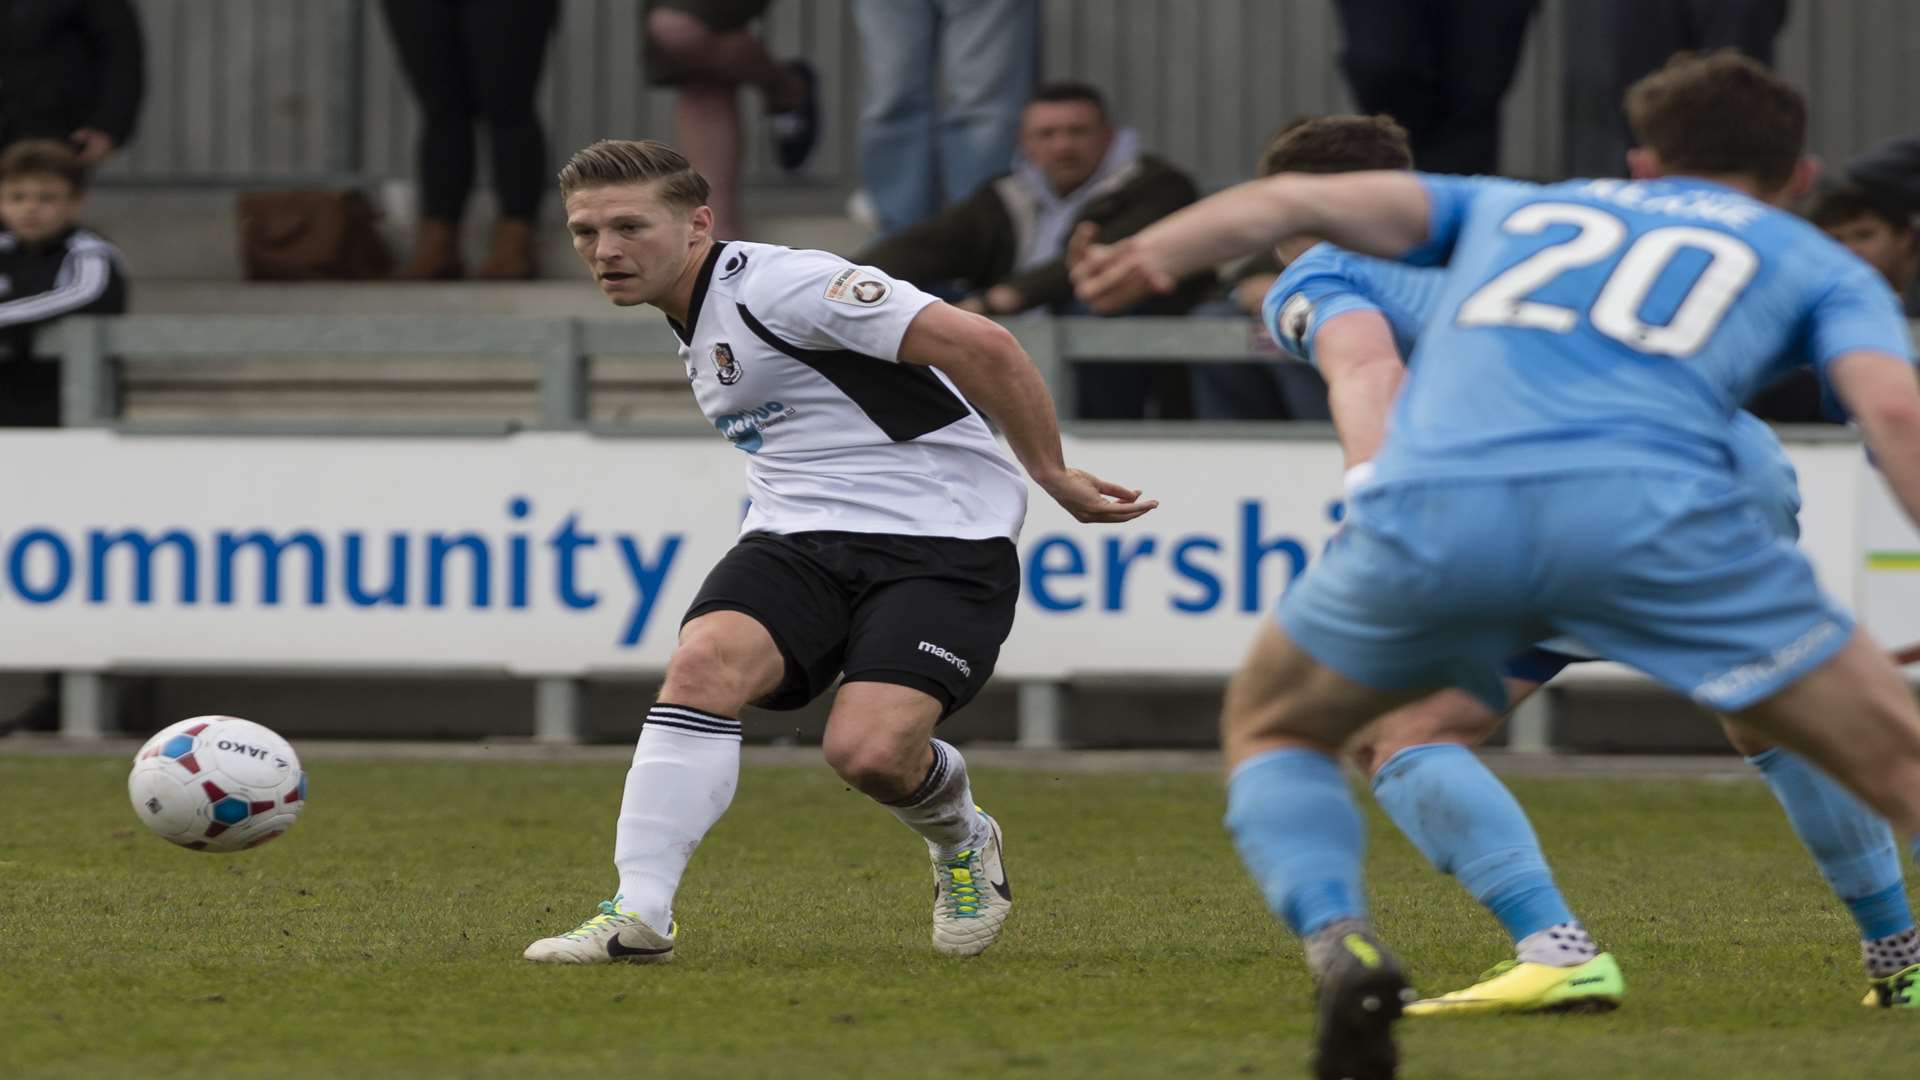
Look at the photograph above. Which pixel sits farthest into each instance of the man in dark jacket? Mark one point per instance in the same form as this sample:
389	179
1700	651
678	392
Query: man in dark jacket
49	267
71	70
1003	249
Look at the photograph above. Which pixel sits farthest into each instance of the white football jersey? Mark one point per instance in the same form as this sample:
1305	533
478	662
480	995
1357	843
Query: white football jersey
794	356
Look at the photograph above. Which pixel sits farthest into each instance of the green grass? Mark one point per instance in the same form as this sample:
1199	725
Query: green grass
382	938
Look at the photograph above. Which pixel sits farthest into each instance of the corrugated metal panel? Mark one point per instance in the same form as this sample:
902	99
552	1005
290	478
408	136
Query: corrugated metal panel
250	88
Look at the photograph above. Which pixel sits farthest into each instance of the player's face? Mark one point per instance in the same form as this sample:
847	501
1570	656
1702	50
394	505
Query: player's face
1065	140
37	208
634	244
1885	248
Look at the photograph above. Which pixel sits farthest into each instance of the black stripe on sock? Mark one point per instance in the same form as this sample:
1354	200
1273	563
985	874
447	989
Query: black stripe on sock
654	721
936	779
692	715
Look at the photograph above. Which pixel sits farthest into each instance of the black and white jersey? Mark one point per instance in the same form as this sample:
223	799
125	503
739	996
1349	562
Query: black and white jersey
794	356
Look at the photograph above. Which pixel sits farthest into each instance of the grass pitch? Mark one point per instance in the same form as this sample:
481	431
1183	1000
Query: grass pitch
382	938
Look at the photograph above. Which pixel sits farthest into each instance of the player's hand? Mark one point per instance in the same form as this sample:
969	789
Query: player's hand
91	145
1110	278
1093	500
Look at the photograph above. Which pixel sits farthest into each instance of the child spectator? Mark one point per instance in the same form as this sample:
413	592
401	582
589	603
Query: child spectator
49	266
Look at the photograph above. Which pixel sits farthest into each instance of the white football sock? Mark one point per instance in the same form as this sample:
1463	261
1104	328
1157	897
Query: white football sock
684	772
941	809
1562	945
1892	954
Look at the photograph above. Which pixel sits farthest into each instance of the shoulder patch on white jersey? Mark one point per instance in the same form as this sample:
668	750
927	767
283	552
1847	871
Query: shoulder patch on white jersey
857	287
1295	316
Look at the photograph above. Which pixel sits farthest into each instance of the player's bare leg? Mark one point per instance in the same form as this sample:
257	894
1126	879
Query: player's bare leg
1469	826
1302	839
1855	717
1857	855
685	769
880	740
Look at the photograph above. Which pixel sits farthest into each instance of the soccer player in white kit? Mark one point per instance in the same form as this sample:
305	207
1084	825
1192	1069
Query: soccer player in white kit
878	547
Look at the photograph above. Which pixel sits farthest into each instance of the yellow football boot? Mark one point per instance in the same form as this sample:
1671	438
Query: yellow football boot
1900	990
1515	987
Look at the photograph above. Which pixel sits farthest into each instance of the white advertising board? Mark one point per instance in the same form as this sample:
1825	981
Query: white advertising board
553	553
1888	559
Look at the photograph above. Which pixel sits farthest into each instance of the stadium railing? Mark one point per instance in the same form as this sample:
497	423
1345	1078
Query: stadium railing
91	347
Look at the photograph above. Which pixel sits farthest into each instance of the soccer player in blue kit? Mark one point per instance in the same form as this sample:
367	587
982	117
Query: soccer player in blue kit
1559	463
1355	318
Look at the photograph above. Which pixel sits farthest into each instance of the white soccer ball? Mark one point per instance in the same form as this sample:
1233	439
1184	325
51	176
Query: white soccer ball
217	783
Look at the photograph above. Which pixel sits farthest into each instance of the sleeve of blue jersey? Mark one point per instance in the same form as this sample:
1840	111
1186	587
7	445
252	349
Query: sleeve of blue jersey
1448	200
1856	311
1315	287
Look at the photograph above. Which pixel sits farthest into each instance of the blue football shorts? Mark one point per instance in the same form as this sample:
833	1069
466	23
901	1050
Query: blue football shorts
1677	573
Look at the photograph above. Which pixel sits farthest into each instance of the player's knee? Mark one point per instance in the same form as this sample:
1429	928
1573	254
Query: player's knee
701	675
880	771
1749	743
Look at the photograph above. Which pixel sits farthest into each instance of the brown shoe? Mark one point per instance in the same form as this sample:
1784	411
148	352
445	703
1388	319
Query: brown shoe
436	252
511	256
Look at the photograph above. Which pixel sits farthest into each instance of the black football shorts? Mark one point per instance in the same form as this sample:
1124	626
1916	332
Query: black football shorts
926	612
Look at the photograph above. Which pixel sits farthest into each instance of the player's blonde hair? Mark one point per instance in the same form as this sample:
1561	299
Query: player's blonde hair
636	161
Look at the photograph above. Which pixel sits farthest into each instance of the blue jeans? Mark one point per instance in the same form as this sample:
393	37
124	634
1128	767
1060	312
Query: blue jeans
911	161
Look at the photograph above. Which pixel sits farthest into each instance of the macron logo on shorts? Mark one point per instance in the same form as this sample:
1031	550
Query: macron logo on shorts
966	669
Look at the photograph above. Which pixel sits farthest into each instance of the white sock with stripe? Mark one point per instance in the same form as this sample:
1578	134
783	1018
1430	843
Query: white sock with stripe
941	810
684	772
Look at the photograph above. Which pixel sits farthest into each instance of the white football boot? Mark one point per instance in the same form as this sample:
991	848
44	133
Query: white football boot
971	898
611	935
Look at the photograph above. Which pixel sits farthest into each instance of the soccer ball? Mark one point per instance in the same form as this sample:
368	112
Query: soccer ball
217	783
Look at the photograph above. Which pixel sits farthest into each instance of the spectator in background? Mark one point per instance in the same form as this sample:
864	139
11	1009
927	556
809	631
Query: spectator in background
921	148
71	70
1879	229
1646	34
471	61
1873	225
1439	67
1889	172
50	266
1003	249
703	49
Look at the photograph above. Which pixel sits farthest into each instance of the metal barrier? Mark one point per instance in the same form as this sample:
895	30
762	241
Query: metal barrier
90	348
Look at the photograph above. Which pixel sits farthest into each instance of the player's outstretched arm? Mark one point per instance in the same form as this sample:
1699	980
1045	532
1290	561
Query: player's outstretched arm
1374	213
1881	392
995	373
1362	365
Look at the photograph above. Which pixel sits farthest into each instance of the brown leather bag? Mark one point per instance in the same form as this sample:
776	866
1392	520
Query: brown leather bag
310	235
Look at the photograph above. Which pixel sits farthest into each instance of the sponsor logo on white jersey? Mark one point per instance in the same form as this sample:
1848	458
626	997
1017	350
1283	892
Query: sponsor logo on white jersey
856	287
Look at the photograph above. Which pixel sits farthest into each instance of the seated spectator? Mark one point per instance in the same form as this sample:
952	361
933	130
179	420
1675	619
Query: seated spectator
71	71
1876	227
707	50
1002	250
49	267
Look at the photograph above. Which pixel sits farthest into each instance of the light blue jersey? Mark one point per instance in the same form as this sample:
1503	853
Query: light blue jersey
1606	323
1564	459
1326	281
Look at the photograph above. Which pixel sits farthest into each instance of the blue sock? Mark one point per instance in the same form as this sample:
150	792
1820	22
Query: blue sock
1853	845
1466	822
1300	836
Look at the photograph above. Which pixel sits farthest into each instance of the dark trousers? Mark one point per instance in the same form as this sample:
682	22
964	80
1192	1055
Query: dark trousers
468	61
1646	33
29	393
1439	67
